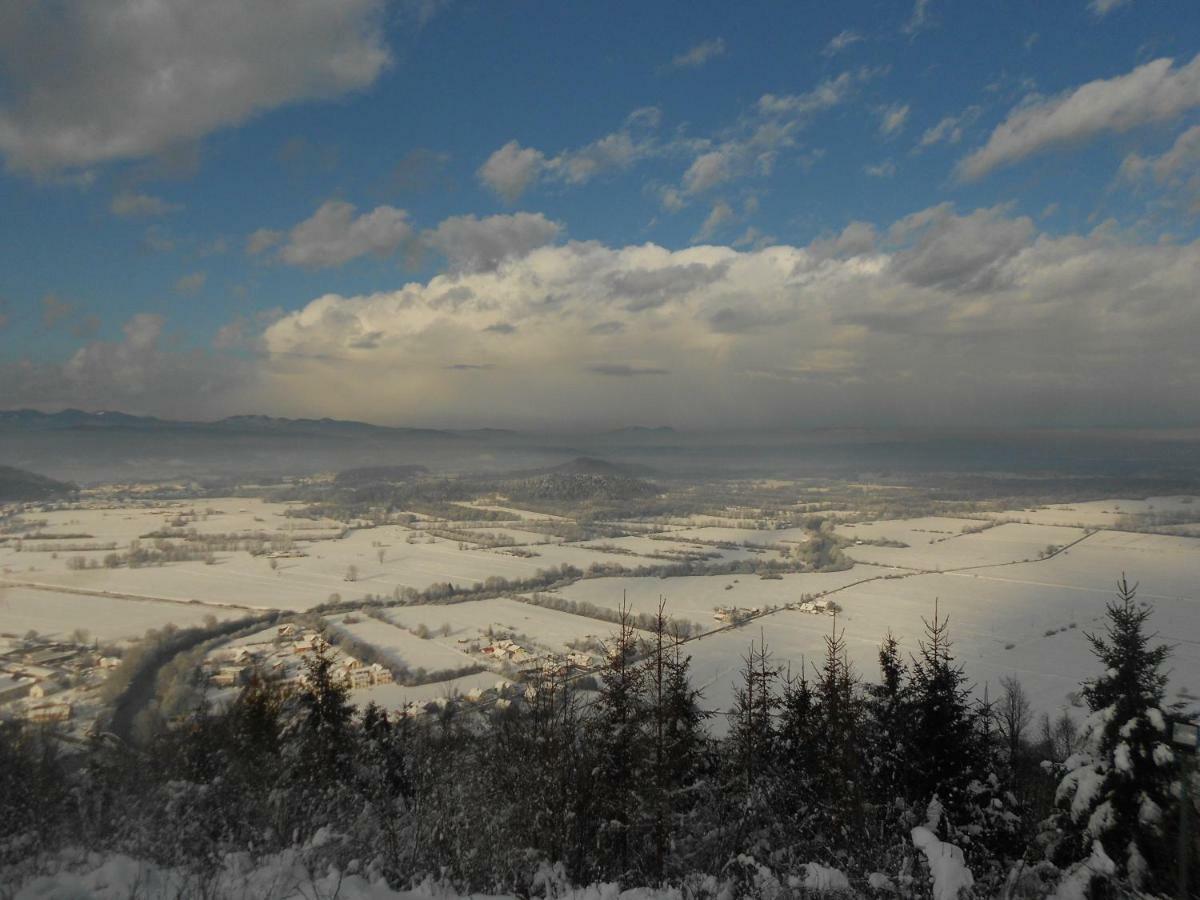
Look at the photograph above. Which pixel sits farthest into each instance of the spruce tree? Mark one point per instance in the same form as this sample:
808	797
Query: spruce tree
838	710
620	751
945	749
887	726
1119	788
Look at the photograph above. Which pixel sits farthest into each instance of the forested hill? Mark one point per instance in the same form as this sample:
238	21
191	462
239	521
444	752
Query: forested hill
19	485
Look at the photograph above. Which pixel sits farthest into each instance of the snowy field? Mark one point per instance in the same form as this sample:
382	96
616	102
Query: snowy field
402	646
1007	616
938	548
546	629
1101	513
398	696
58	615
695	597
759	537
1005	620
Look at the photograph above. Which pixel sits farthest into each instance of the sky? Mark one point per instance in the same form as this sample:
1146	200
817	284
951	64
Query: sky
593	214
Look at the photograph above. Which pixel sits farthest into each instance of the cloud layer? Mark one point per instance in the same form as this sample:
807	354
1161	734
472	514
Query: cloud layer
92	82
943	317
970	318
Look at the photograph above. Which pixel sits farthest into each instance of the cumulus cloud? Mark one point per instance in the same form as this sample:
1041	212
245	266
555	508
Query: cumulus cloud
87	83
334	235
699	54
513	169
470	244
129	204
944	316
1154	92
962	254
885	169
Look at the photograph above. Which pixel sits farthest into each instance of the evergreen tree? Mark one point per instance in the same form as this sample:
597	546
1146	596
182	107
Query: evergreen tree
887	725
1118	790
838	734
752	736
798	727
619	745
945	749
677	736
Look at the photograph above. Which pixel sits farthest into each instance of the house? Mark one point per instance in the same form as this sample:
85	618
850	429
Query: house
42	689
230	676
287	629
12	688
380	674
52	656
49	712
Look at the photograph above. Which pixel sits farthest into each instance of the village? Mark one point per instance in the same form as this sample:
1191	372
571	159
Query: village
41	680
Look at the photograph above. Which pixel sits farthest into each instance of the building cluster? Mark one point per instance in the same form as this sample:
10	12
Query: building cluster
33	673
506	650
737	614
283	660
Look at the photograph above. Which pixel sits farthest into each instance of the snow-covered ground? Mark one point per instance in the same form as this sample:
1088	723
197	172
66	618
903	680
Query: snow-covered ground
1007	615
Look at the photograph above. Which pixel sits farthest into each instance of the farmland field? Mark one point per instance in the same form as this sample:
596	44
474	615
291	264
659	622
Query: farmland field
1011	611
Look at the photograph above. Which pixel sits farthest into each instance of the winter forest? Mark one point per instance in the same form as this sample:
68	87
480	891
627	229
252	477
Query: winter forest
826	779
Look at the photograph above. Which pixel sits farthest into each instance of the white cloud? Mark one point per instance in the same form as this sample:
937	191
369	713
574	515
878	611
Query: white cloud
470	244
129	204
967	318
708	170
334	235
919	19
511	170
721	213
841	41
828	93
88	83
699	54
1155	92
1101	8
1176	169
885	169
892	119
949	129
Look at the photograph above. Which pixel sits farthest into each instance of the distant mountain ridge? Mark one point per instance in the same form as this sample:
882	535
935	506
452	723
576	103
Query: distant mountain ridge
36	420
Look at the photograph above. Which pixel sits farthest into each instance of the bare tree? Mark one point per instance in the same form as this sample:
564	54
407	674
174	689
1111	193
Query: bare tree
351	573
1013	714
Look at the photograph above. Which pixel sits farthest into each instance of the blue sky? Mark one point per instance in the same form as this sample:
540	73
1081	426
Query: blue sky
401	211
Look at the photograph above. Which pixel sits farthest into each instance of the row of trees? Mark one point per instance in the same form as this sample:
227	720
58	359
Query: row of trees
628	783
